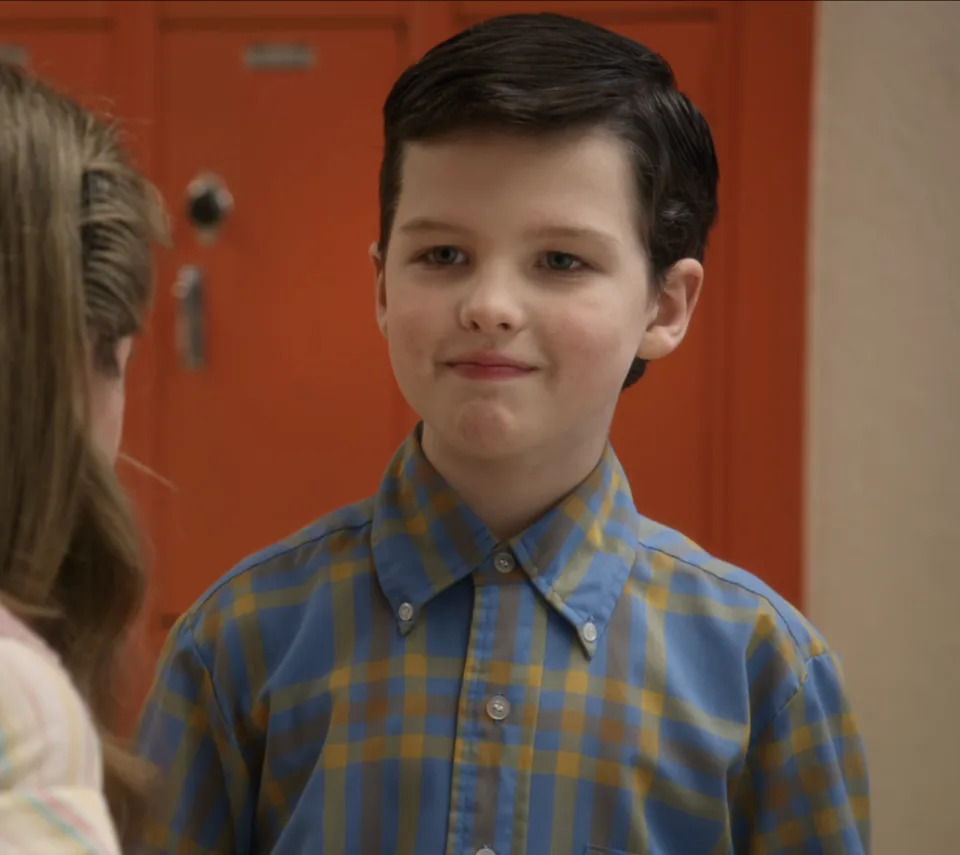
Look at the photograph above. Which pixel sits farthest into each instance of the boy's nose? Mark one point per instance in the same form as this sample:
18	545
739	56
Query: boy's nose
491	305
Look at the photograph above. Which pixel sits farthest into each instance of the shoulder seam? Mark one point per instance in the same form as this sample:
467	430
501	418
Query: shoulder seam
193	613
734	584
801	685
214	689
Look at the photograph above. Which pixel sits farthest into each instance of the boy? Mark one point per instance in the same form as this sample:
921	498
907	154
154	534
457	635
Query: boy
496	654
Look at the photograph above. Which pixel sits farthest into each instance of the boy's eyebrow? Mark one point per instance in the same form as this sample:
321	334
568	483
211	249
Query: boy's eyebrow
558	230
571	231
425	224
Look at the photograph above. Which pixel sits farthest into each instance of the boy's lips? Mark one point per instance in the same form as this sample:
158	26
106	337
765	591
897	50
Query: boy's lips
488	365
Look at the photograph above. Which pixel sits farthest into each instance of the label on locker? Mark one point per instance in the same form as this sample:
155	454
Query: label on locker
279	57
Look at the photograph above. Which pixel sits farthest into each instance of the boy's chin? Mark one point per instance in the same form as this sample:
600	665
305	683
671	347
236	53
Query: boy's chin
481	432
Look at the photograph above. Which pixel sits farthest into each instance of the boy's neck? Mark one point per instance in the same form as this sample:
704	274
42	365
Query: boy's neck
510	494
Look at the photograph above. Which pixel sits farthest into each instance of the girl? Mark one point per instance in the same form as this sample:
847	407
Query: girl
76	226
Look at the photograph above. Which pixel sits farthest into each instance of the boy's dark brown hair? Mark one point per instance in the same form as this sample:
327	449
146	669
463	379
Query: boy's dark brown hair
547	74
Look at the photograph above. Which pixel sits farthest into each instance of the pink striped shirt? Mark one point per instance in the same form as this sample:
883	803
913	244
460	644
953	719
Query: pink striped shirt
51	767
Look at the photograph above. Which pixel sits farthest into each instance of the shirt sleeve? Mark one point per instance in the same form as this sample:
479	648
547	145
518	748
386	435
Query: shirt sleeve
204	803
804	786
51	796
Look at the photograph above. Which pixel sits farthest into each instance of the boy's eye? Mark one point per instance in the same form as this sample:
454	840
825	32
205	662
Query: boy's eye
444	256
562	262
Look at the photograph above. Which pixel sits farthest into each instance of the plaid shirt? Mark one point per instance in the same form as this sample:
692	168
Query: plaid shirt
394	680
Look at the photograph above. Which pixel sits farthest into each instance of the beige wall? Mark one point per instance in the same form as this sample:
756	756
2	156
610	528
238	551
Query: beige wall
884	399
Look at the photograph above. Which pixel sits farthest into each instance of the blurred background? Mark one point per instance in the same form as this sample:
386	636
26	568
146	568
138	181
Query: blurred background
808	428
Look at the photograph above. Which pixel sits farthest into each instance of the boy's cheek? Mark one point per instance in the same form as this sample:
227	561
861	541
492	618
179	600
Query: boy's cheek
411	333
593	348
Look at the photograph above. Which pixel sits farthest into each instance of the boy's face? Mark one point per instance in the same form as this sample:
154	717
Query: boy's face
515	292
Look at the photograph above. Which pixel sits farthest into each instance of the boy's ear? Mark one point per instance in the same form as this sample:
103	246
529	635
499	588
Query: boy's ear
671	312
381	292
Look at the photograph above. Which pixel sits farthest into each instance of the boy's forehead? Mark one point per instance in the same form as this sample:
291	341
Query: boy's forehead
588	172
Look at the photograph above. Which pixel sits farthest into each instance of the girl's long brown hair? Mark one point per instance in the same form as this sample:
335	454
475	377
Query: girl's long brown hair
76	227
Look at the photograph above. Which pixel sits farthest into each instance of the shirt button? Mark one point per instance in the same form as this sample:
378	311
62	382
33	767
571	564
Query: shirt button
589	632
405	612
504	563
498	708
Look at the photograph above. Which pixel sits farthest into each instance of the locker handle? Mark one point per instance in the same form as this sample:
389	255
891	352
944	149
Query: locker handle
191	322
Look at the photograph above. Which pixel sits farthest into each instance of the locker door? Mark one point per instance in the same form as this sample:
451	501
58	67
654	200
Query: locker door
289	411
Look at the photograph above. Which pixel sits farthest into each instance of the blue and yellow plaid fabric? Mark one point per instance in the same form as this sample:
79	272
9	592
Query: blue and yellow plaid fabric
394	680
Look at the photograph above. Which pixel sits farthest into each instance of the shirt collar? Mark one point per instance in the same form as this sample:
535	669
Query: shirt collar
578	555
